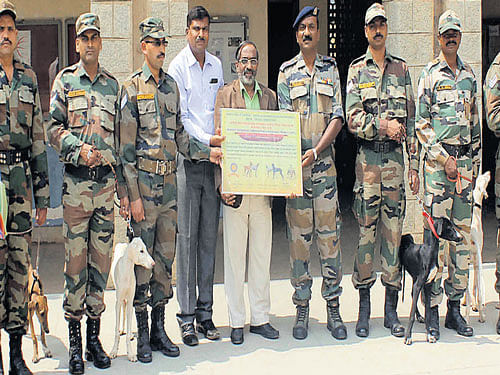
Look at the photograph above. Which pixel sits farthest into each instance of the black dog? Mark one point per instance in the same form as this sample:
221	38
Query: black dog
420	260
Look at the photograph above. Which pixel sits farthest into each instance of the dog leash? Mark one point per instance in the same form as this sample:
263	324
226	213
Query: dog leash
38	252
428	217
458	181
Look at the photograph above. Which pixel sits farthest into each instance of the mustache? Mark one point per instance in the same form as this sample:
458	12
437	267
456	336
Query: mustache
451	42
249	71
160	55
307	37
378	35
6	40
200	38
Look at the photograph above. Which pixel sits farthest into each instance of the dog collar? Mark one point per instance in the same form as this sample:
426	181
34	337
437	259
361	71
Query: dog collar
478	205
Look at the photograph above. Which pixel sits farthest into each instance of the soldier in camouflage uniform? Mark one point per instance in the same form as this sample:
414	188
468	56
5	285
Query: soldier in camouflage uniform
151	133
447	126
24	171
380	111
82	129
492	106
309	83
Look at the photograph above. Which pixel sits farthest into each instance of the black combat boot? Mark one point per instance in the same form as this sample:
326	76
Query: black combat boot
76	365
17	365
159	340
363	326
391	319
454	320
94	351
144	353
434	322
334	322
301	322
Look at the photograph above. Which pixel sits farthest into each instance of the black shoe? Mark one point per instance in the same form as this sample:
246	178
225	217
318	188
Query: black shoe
159	339
144	352
434	323
207	327
17	364
498	324
266	330
301	322
94	351
363	325
454	320
237	336
391	319
188	334
334	321
76	365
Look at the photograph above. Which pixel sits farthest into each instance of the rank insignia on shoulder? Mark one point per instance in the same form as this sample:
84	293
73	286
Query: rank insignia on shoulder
145	96
297	83
74	93
444	87
366	85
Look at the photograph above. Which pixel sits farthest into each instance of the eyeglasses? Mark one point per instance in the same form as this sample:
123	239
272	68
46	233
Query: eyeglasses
157	43
245	61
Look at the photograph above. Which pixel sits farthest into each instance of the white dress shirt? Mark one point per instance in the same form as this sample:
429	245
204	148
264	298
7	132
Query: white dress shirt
197	89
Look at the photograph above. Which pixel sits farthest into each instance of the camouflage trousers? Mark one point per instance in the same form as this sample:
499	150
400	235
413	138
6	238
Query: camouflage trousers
442	200
497	211
379	199
14	250
158	231
88	213
315	215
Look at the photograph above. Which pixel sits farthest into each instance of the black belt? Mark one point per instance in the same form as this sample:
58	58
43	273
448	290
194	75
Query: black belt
379	146
86	173
457	150
10	157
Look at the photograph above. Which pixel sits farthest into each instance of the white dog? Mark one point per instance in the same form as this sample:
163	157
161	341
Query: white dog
126	256
476	299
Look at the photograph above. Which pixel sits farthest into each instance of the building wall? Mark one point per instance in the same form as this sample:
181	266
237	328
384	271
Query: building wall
48	9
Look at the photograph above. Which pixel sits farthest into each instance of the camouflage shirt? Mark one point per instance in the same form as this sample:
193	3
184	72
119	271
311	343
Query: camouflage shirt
447	110
150	124
492	96
373	95
316	96
21	125
84	111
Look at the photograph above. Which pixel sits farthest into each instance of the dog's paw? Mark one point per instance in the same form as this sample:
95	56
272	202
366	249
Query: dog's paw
431	339
132	358
408	341
113	354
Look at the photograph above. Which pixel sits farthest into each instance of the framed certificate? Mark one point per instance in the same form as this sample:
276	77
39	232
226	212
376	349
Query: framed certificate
261	152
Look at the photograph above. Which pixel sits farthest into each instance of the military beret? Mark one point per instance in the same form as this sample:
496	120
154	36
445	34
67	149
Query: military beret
7	7
153	27
449	21
87	21
374	11
306	12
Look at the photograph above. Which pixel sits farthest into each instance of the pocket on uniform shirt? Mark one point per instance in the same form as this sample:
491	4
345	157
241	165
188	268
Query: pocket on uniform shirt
3	108
25	106
171	115
397	105
325	97
77	111
298	96
147	113
108	113
445	101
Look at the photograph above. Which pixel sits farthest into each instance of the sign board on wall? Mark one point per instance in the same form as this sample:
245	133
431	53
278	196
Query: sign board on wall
226	34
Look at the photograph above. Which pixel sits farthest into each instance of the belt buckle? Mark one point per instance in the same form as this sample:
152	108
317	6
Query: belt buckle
161	167
386	147
93	173
169	168
17	157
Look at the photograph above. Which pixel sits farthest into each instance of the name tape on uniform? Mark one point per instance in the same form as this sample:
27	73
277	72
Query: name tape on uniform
297	83
444	87
366	85
145	96
74	93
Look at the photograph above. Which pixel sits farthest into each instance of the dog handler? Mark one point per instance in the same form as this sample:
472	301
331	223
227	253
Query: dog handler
23	167
151	133
491	90
447	126
82	130
381	113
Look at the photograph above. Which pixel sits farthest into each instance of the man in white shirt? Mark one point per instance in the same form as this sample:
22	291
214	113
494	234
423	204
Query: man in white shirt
198	75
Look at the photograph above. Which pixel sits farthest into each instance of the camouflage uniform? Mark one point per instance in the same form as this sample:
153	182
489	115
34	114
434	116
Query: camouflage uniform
317	98
379	190
492	106
447	124
22	132
151	134
84	111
